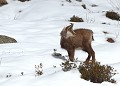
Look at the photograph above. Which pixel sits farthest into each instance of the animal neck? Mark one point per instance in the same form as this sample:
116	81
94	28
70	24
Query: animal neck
69	34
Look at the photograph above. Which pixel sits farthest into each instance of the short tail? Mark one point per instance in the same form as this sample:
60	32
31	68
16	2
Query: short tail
92	38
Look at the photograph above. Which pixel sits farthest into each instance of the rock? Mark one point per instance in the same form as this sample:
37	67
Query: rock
6	39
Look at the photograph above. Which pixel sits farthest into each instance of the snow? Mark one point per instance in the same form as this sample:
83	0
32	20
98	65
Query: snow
36	25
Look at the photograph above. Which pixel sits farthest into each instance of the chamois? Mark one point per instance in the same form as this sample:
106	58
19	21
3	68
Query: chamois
79	38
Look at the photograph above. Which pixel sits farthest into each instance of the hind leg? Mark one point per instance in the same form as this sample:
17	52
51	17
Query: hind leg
93	56
90	52
89	56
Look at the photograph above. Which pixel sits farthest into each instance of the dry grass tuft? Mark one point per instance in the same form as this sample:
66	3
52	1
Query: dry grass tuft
113	15
76	19
111	40
97	73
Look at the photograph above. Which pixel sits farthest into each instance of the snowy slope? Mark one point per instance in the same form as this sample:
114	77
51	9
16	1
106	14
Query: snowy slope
36	25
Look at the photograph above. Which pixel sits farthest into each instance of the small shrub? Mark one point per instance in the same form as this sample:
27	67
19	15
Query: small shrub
3	2
6	39
23	0
69	1
94	5
79	0
76	19
38	69
84	6
111	40
67	65
113	15
8	75
62	4
58	55
22	73
20	11
105	32
97	73
103	23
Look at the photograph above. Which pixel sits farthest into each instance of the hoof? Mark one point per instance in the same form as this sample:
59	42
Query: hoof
86	62
72	60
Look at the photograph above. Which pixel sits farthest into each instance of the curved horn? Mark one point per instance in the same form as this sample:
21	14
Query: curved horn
70	26
70	29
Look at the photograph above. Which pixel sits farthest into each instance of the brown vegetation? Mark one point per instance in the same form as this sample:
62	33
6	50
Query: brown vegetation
113	15
97	73
111	40
76	19
6	39
3	2
23	0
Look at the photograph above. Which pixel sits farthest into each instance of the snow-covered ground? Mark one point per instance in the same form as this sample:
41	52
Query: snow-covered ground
36	25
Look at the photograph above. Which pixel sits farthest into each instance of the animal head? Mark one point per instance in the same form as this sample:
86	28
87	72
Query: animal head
68	31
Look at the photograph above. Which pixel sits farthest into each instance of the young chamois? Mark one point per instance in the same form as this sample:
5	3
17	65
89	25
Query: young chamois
74	39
